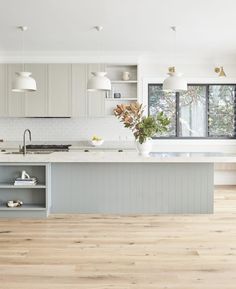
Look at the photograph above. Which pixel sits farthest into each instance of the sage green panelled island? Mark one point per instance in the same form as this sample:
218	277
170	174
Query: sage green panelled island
110	183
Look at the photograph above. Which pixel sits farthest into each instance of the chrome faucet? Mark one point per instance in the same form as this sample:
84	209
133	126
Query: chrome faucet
24	145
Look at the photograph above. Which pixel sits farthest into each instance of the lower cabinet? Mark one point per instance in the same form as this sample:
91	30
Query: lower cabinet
36	198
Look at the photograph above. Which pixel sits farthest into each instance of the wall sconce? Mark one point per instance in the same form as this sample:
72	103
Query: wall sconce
220	71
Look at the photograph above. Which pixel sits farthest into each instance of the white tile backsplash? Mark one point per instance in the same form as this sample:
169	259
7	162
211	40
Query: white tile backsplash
50	129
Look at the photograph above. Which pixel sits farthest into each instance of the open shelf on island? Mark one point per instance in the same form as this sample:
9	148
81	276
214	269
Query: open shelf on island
24	207
35	198
12	186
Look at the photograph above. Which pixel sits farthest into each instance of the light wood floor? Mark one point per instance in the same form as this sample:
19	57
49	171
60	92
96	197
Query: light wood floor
141	252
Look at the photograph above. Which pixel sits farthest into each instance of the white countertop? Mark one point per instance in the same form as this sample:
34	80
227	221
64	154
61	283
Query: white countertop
118	157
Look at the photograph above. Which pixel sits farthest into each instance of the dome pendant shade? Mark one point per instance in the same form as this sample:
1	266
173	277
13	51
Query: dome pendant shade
99	82
23	82
174	83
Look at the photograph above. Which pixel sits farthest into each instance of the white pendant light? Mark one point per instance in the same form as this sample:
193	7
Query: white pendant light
23	82
99	81
174	82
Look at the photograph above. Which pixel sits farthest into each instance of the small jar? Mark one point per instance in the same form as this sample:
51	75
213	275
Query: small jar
126	75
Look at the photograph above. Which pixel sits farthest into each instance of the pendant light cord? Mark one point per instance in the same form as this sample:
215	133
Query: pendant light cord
23	47
173	28
99	29
22	29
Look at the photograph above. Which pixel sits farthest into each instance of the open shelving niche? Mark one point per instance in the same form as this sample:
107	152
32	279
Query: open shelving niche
36	198
127	88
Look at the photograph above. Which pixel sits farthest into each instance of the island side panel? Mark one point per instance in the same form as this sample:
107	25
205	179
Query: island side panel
132	188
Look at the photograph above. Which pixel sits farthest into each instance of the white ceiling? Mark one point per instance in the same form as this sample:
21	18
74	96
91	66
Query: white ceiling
204	26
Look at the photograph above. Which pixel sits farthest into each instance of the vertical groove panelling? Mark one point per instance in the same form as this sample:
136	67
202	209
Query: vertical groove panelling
59	90
79	89
132	188
36	102
15	100
3	90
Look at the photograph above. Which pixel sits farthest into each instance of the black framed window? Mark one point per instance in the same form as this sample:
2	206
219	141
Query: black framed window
203	111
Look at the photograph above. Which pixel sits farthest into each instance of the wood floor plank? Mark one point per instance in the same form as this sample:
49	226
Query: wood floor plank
122	252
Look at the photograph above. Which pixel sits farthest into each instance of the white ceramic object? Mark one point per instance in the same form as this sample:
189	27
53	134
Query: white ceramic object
145	148
97	143
99	81
14	204
126	75
24	175
23	82
174	83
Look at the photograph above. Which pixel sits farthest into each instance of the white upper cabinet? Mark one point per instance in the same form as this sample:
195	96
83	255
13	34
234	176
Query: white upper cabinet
62	91
59	90
15	100
79	90
96	100
3	90
36	103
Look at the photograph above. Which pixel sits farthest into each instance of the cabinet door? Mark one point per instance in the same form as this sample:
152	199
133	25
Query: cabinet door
3	90
36	103
15	100
59	90
96	100
79	90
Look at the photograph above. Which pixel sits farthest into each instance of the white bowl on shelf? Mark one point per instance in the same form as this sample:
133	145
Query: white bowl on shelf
96	143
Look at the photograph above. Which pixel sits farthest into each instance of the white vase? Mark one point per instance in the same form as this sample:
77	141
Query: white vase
145	148
126	75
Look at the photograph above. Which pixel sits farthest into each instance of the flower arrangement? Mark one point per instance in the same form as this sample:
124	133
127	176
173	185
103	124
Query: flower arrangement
143	127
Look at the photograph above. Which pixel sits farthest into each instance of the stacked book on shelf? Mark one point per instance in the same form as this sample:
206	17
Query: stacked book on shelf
25	182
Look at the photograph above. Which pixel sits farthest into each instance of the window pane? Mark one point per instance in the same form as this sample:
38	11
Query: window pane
162	101
192	112
221	110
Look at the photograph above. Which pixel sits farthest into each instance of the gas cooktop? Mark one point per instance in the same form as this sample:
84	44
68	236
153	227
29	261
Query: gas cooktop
54	148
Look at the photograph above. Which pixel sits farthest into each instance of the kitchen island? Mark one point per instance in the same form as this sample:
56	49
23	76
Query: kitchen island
111	183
